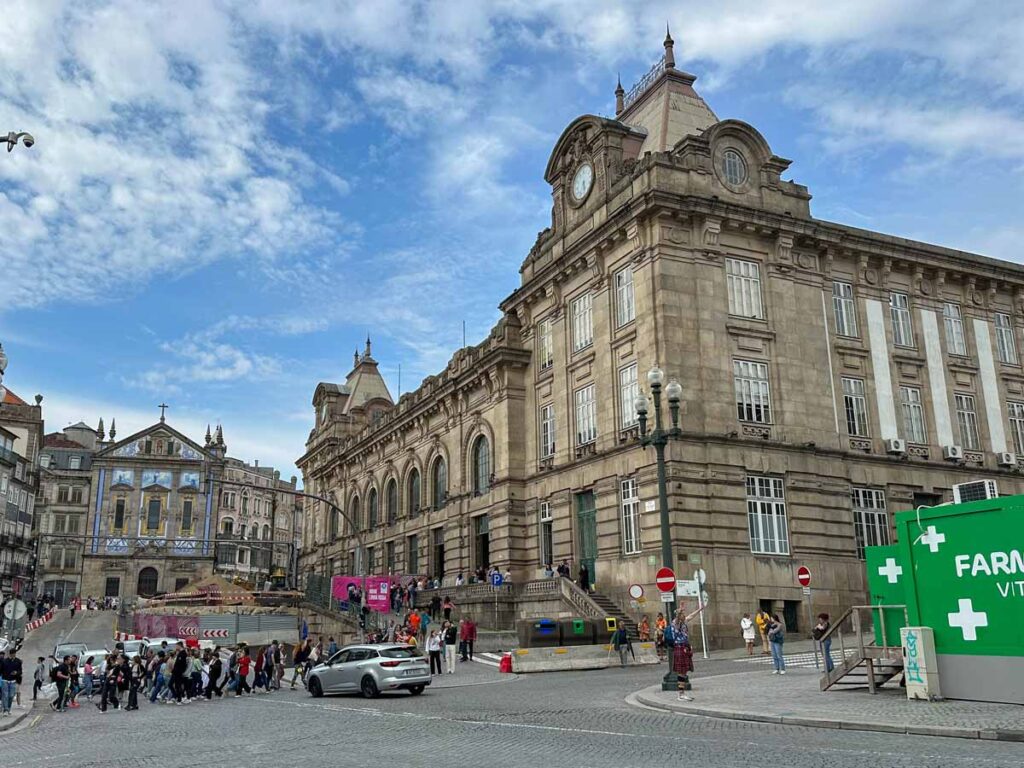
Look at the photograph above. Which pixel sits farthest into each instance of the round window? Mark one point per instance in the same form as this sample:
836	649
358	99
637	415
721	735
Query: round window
734	168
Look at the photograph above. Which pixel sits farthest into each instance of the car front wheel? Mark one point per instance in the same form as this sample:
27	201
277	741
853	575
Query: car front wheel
315	689
369	688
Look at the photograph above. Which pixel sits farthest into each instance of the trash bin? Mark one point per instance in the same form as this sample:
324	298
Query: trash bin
610	624
538	633
578	632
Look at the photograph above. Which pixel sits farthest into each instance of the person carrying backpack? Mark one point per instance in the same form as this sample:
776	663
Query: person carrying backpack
776	637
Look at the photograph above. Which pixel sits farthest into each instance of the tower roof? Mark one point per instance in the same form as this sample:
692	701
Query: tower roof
664	104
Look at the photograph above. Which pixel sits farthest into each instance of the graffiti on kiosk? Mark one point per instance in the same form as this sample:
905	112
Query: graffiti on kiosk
913	659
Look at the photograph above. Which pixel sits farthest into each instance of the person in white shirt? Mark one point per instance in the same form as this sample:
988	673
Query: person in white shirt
434	650
747	628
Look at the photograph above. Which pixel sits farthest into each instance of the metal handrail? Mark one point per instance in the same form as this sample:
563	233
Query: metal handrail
854	613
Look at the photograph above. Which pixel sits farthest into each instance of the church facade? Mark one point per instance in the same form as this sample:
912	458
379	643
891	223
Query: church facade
152	517
831	376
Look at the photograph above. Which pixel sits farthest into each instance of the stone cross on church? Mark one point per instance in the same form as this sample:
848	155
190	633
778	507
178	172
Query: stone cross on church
163	407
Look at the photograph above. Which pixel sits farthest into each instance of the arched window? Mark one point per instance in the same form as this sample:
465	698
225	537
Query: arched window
481	465
266	532
392	502
147	584
335	529
373	510
227	526
354	512
414	492
254	532
245	502
440	483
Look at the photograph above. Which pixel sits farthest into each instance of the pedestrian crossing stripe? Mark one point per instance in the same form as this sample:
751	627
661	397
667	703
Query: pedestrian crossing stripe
795	659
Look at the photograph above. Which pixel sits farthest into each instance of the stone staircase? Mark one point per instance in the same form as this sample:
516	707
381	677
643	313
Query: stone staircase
611	608
866	665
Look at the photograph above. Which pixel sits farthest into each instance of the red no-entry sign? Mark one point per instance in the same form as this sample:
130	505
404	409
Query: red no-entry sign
665	580
803	575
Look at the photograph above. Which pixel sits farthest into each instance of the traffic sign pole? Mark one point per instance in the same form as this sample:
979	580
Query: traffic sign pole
803	577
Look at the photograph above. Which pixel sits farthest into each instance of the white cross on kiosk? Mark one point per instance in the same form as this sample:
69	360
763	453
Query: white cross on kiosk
933	538
967	619
891	570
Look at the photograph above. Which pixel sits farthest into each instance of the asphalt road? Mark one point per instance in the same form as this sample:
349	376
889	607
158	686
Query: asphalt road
475	717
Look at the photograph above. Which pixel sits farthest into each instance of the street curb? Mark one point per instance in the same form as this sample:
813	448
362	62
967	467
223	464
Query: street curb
9	723
644	697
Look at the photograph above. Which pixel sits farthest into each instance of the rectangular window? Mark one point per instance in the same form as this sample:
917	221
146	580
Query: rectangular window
625	311
63	493
119	515
1006	347
389	557
753	399
74	524
77	494
56	557
58	524
870	520
412	557
629	390
546	553
582	323
547	431
186	515
75	462
630	499
913	415
899	311
844	309
955	343
70	558
856	406
586	416
744	283
967	419
1017	426
545	344
153	515
766	515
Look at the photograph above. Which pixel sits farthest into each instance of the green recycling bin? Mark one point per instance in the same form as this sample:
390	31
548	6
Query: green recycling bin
578	632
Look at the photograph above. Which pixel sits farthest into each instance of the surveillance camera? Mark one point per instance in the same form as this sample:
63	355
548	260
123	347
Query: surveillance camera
27	140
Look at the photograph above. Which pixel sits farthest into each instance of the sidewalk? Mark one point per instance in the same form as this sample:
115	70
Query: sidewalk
797	700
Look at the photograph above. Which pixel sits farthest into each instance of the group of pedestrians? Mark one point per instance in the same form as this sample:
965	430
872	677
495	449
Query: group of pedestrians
162	674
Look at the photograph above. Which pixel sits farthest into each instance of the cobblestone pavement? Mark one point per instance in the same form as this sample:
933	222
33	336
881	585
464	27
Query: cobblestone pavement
474	717
797	695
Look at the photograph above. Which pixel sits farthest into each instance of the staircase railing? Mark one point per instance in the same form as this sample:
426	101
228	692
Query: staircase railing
580	600
866	649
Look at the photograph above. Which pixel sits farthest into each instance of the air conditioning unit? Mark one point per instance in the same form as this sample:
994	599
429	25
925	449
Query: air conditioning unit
952	453
1006	459
896	445
976	490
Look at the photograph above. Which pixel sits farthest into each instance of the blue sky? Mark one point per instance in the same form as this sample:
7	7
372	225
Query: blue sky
225	198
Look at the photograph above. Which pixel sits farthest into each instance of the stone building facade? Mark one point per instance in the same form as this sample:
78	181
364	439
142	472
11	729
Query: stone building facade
65	464
21	435
151	513
258	521
831	376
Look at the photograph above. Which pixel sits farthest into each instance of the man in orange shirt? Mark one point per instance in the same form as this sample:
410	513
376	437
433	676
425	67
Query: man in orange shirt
414	622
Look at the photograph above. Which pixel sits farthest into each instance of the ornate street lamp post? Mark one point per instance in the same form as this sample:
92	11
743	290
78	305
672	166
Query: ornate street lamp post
659	438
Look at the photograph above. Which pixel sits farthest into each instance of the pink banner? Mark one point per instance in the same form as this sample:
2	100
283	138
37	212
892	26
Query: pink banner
340	584
377	593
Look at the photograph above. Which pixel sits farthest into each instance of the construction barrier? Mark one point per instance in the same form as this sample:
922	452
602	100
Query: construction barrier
36	623
579	657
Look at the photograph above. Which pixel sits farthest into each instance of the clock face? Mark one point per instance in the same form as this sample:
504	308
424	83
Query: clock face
582	180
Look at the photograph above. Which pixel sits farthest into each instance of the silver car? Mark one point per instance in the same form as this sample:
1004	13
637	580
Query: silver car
370	669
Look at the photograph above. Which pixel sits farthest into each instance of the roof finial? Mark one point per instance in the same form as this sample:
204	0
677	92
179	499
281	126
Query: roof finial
220	435
670	57
207	435
163	407
100	431
367	353
620	95
113	429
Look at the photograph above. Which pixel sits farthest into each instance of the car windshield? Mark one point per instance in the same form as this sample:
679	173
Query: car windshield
399	653
69	649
